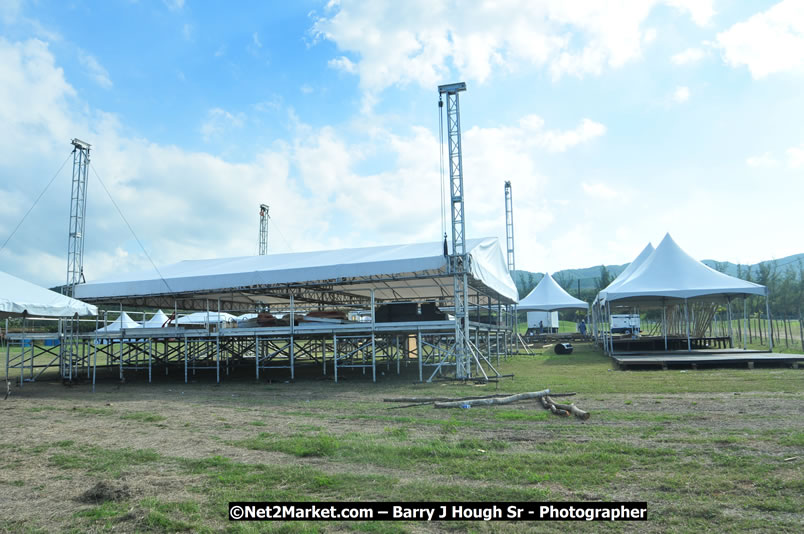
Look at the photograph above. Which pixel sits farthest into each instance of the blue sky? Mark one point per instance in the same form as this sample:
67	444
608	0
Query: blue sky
614	123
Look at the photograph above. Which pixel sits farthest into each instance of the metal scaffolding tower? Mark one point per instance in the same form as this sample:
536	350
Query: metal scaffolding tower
72	356
458	259
264	229
513	317
509	227
78	212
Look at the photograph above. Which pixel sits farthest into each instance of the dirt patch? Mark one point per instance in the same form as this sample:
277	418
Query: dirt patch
104	492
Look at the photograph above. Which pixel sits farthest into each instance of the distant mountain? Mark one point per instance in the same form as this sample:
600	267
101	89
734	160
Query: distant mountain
588	277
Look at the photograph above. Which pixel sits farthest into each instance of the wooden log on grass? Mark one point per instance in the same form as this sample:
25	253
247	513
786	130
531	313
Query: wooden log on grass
493	401
574	410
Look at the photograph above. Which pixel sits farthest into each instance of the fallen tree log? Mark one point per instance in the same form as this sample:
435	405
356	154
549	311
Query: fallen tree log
443	399
492	401
553	406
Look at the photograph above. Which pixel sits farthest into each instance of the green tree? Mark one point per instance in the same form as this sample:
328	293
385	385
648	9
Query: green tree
604	279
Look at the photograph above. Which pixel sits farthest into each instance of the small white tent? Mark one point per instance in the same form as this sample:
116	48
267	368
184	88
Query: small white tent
122	322
549	296
158	320
18	297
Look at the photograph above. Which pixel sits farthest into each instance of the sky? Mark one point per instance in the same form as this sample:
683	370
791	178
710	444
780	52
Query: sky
616	122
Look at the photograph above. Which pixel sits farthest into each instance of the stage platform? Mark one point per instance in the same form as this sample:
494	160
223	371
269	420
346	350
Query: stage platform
711	357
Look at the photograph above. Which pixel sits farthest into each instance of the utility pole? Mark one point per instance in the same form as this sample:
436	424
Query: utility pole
459	258
264	229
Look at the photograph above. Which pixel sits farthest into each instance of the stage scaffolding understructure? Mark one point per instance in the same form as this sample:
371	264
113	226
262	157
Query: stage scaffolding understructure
427	348
466	343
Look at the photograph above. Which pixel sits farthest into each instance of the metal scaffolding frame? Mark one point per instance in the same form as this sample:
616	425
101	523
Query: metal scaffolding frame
73	358
264	229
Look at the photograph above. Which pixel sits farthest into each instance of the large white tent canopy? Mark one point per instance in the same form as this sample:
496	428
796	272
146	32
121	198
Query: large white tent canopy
623	276
549	296
671	273
18	297
394	272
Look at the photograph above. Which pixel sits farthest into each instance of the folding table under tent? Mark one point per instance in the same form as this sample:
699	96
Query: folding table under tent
415	282
671	277
19	298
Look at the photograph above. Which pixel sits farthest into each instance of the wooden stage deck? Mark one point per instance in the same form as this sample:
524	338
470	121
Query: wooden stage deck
710	357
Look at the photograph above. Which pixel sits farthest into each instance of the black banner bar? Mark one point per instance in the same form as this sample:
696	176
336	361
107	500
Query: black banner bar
438	511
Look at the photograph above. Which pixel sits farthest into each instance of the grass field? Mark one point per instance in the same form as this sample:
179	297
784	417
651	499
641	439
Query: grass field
718	450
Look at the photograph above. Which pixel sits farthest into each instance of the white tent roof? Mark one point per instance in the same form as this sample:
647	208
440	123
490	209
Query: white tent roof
549	296
670	272
204	318
18	296
246	317
623	276
157	321
124	321
396	272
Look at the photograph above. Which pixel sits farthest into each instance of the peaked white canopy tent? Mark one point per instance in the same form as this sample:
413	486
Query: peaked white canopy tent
619	279
157	320
549	296
123	322
19	297
670	276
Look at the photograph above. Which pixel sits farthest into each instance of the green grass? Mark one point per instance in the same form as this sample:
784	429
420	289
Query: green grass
706	450
143	417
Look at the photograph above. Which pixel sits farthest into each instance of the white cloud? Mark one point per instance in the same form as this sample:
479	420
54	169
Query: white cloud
701	11
765	160
174	5
95	70
342	63
681	94
767	43
421	41
649	36
306	89
255	39
795	157
599	190
272	104
218	121
187	32
690	55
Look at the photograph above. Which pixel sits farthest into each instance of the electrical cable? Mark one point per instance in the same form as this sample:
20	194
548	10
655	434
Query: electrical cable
280	234
120	212
35	203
